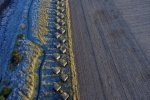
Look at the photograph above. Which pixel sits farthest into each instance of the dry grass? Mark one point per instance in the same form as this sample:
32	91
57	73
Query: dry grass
34	61
73	66
43	20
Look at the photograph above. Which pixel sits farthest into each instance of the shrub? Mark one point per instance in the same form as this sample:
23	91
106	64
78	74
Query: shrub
16	57
5	92
20	36
17	43
2	98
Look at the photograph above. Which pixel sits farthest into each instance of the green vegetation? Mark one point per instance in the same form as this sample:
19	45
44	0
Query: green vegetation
2	98
5	92
16	57
17	43
20	36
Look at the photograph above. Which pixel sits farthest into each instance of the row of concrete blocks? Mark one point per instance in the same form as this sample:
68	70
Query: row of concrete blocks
60	35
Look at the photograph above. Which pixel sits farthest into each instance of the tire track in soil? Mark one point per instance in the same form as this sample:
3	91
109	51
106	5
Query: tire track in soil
105	47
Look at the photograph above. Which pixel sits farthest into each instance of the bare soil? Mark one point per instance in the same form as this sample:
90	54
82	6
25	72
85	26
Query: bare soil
112	48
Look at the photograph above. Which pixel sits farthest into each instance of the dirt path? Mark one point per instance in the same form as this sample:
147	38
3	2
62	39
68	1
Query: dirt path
112	57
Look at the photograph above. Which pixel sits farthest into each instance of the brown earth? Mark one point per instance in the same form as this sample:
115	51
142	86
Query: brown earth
112	48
